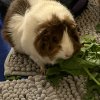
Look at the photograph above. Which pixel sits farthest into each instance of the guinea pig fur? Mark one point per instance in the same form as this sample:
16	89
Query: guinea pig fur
99	2
45	30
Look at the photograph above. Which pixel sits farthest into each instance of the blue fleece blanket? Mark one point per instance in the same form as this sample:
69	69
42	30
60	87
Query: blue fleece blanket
4	49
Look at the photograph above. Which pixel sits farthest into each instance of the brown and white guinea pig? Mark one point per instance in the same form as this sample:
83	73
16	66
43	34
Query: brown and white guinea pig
45	30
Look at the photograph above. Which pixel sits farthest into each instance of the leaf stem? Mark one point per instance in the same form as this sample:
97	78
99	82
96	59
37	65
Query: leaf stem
91	76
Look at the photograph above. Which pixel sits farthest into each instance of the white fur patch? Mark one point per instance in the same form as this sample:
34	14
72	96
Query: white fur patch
15	27
67	47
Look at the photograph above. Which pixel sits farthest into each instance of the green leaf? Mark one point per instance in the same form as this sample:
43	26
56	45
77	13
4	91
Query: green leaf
75	72
54	79
76	63
92	76
88	39
92	89
53	71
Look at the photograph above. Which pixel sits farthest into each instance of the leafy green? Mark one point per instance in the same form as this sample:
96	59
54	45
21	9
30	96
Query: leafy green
75	66
54	79
80	64
93	89
86	62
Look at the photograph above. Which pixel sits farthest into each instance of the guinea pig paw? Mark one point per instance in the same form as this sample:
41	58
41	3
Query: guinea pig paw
43	70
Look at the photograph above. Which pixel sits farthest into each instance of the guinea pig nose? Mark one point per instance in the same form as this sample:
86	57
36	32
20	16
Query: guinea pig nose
68	56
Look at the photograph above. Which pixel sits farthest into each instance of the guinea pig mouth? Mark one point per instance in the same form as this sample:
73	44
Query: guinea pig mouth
77	47
67	56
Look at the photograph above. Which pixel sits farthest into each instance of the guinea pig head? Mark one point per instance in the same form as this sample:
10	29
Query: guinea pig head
57	39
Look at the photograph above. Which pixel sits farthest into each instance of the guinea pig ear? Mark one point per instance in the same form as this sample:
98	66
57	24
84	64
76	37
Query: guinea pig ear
74	33
71	24
72	29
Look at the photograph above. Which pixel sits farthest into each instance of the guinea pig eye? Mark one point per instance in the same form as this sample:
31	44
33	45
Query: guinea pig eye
43	45
54	39
44	38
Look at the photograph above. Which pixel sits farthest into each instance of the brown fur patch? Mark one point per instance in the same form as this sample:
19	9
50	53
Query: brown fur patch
48	41
74	35
99	2
16	7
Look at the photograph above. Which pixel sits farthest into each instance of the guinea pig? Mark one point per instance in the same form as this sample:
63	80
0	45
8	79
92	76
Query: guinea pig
44	30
